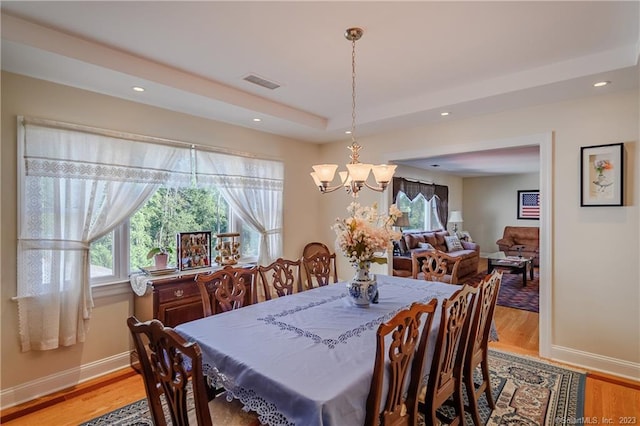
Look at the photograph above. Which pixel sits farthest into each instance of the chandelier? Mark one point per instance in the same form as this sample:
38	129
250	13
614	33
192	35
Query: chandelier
355	178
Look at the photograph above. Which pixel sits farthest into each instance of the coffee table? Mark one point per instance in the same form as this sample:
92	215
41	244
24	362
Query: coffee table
514	264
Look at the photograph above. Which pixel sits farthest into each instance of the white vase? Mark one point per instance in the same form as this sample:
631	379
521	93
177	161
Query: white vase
363	288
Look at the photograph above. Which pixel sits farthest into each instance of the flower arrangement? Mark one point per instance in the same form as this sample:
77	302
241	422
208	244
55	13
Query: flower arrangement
602	165
365	234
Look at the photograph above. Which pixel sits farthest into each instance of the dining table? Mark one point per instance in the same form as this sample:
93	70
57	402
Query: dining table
306	359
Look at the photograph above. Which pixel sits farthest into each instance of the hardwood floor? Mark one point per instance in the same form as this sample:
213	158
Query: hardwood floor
607	399
80	403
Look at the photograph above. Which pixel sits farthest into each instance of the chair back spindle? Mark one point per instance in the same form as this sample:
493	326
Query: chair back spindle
282	277
320	269
434	265
226	289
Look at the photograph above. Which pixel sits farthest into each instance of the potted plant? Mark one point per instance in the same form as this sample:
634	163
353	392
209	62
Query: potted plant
160	255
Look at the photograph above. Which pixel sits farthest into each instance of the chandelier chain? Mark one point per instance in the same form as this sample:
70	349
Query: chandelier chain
355	147
353	91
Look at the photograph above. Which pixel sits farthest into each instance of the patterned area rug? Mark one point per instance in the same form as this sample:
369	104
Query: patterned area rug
137	414
530	392
527	391
512	293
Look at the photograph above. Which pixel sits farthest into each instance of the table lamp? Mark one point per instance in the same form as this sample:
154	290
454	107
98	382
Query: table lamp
402	221
455	217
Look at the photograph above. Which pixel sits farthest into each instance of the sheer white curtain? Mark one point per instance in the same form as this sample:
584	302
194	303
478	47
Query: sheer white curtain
75	186
432	208
254	190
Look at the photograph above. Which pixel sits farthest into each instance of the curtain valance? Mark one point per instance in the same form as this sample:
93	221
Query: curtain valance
412	189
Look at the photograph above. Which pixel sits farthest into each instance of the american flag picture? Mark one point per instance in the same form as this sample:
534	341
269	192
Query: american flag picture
528	204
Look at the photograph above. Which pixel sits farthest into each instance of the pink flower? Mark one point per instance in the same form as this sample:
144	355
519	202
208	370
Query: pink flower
365	235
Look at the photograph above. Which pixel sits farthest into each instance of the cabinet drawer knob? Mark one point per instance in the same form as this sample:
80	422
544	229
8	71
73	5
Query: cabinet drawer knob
178	293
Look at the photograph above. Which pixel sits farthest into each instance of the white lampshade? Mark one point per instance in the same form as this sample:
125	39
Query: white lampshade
325	172
314	175
455	216
359	172
384	172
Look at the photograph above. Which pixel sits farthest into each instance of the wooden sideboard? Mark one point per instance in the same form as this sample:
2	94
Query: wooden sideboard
171	300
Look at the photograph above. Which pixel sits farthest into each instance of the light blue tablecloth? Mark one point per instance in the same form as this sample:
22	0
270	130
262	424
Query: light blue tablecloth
305	359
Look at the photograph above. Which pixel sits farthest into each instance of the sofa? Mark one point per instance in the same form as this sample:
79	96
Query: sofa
521	240
412	241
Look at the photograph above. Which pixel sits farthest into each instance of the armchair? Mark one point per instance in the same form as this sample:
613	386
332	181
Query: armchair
521	240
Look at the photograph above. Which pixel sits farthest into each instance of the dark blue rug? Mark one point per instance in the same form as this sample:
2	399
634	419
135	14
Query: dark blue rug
512	293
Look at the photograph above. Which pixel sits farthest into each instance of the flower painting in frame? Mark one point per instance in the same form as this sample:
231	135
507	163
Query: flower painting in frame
601	175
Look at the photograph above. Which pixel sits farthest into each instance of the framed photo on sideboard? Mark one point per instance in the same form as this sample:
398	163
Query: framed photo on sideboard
194	250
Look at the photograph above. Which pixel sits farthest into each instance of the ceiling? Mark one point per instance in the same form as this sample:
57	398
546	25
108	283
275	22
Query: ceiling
415	60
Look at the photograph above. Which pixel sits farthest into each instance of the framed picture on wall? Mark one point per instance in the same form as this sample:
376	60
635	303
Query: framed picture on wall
601	178
529	204
194	250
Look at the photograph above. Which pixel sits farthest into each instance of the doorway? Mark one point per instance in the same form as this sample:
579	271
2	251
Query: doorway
544	141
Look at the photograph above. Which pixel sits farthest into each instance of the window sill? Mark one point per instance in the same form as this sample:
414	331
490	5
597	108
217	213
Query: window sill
111	289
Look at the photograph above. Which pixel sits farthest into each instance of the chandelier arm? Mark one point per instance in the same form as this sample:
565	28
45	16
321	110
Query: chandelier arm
380	188
327	189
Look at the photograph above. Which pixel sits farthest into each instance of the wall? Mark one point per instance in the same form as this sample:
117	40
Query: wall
489	204
108	337
595	312
595	270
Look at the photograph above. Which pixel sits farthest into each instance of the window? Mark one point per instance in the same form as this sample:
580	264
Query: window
423	214
78	185
167	212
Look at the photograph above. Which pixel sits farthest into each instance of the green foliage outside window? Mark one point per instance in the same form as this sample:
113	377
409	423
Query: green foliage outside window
168	211
416	209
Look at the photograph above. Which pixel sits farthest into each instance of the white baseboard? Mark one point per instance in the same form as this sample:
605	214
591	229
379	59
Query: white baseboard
65	379
594	362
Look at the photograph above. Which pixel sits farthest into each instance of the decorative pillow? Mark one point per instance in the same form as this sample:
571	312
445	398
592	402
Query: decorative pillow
426	246
441	244
453	243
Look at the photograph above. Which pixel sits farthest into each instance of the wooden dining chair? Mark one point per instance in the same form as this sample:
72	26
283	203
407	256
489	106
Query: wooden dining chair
399	358
282	277
226	289
445	377
477	353
319	269
434	265
313	248
165	373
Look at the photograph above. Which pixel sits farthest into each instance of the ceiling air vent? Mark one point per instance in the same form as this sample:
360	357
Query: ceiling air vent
252	78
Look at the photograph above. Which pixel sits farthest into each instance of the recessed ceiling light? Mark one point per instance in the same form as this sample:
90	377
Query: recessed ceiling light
444	113
138	88
257	119
348	132
601	83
